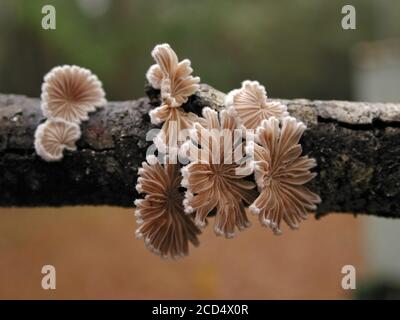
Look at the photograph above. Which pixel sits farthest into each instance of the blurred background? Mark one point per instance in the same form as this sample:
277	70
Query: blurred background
297	49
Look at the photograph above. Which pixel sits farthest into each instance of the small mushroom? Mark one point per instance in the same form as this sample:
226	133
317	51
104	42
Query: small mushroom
163	224
172	77
280	173
70	93
55	135
176	84
213	181
250	106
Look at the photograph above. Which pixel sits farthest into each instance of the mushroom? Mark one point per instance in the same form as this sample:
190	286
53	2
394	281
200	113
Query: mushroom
176	84
70	93
250	106
280	173
214	181
55	135
163	224
172	77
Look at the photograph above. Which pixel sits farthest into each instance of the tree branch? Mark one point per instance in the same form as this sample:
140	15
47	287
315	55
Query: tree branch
356	144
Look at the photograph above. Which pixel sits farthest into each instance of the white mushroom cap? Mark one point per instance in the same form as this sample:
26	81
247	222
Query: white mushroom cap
70	93
173	77
250	105
55	135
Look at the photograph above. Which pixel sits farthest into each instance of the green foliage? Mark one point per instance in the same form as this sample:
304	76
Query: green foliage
295	48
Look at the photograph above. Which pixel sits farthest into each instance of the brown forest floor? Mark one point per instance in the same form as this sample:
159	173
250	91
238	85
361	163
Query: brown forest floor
97	256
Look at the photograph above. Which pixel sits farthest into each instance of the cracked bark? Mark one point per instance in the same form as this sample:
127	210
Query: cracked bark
356	144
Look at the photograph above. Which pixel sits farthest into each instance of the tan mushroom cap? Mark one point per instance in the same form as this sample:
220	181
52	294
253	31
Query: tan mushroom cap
250	106
172	77
176	84
70	93
214	182
55	135
163	224
280	173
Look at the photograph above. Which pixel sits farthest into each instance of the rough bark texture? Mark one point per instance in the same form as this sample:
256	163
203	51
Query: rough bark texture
357	146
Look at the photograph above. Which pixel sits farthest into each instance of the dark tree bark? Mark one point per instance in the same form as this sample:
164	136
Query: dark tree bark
357	147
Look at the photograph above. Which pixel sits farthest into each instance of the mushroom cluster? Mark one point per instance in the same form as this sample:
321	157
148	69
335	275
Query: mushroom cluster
261	169
176	84
69	93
